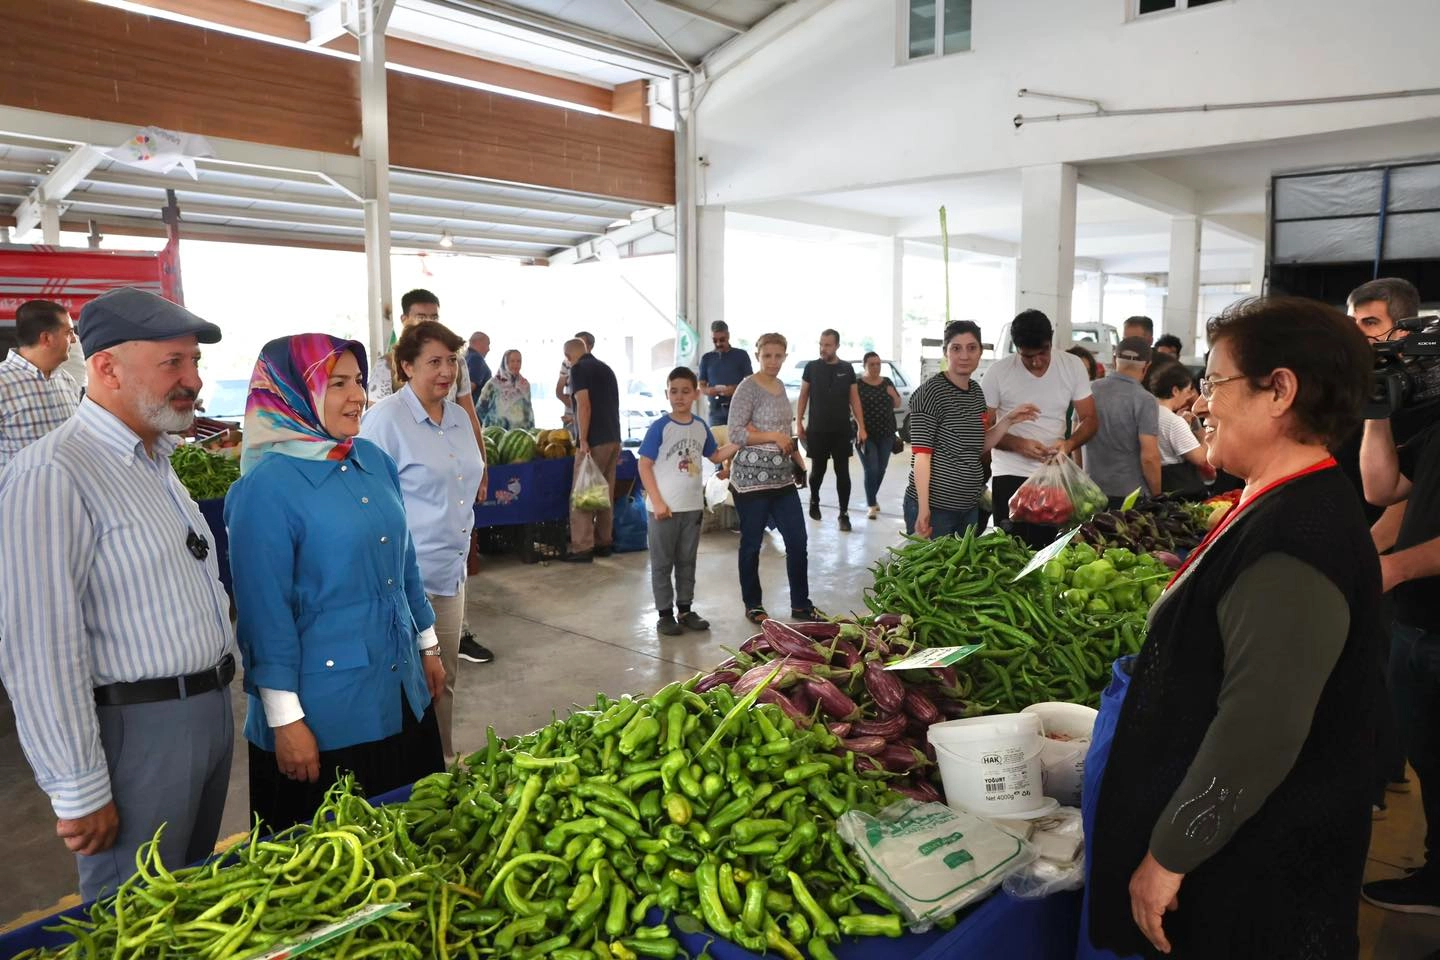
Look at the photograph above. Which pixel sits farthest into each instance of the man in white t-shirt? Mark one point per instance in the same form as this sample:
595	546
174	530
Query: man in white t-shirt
1054	382
1184	469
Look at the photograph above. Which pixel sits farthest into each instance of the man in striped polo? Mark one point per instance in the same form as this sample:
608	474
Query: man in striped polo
118	649
36	394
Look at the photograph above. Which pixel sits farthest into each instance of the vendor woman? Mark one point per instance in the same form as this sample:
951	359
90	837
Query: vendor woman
1234	812
338	640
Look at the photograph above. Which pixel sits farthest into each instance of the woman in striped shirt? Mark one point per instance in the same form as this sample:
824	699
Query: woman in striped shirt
948	436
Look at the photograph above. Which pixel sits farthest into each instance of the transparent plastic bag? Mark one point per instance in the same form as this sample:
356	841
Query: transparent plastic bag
933	860
591	492
1056	495
1059	841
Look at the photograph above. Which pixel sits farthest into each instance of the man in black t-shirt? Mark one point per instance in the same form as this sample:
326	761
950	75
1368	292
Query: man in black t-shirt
1412	571
596	395
830	393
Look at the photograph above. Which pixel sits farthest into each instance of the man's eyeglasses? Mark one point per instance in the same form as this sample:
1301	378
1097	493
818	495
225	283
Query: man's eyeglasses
198	546
423	317
1208	385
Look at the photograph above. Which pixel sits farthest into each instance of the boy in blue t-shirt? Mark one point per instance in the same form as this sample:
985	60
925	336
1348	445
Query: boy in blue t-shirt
670	469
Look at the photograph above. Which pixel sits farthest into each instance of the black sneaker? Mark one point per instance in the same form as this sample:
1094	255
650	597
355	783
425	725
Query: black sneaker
691	620
471	649
844	523
604	551
667	626
814	510
1418	893
577	558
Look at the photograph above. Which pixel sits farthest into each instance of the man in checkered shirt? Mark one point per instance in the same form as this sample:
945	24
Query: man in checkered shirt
36	396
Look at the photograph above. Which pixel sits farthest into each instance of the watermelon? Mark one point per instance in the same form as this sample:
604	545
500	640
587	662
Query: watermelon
517	447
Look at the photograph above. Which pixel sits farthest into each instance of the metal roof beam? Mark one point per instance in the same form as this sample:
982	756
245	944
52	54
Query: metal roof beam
203	189
56	186
732	25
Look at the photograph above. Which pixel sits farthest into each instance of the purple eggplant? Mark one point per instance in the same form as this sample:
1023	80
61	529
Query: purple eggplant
946	675
888	620
801	698
839	728
864	764
832	700
900	758
756	644
787	641
790	671
868	745
888	726
820	630
845	653
716	679
921	707
1169	559
916	789
885	688
771	695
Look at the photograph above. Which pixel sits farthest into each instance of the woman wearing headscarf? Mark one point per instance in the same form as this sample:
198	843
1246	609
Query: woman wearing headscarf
505	398
338	640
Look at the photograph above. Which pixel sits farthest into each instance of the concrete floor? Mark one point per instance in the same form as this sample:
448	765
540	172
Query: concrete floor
561	633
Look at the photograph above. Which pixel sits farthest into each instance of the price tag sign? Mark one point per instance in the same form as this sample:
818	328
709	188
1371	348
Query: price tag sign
1045	556
330	931
934	657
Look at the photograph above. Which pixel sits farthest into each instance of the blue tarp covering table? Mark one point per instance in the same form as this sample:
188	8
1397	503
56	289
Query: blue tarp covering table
537	491
999	928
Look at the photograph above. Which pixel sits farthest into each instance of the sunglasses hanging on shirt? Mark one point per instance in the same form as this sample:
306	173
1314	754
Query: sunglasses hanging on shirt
198	546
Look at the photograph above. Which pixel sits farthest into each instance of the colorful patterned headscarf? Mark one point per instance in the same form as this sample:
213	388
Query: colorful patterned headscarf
287	395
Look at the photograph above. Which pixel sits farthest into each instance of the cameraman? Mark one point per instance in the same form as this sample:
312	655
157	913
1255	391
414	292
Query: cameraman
1393	474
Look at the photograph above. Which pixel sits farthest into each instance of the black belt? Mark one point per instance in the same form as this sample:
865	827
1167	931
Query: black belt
217	677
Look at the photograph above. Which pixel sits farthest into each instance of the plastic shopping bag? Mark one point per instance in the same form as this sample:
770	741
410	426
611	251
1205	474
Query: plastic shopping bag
931	859
591	492
1059	841
1056	495
717	493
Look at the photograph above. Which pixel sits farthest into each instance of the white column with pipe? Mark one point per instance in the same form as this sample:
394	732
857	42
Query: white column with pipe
374	16
709	275
892	252
1257	270
1182	300
1045	276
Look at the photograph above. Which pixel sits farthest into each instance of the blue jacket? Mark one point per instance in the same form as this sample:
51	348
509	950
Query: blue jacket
328	593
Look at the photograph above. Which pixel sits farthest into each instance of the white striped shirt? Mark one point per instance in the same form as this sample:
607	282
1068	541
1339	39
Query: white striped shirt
31	404
99	587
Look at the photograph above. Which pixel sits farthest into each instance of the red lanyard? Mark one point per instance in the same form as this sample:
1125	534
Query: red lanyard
1240	508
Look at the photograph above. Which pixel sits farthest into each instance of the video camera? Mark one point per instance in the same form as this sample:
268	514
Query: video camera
1407	370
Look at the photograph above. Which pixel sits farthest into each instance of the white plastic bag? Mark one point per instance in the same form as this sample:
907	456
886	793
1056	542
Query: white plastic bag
591	492
717	493
931	859
1060	842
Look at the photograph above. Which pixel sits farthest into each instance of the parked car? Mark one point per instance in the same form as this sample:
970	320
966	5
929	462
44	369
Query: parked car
642	404
792	378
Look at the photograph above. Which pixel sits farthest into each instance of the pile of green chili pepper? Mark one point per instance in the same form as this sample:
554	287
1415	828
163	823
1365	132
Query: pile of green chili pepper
692	804
206	475
1037	646
575	842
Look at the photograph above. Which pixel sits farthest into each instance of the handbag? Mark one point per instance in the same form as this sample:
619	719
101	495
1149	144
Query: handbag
898	446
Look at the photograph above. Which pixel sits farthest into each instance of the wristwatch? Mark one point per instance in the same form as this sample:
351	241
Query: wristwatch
431	651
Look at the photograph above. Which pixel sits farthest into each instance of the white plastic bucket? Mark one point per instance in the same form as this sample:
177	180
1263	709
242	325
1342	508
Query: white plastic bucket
1064	760
991	766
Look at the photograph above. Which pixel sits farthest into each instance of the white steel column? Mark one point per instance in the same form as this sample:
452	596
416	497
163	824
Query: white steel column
50	223
1095	296
1010	285
1182	302
709	269
1046	272
894	251
1257	270
374	15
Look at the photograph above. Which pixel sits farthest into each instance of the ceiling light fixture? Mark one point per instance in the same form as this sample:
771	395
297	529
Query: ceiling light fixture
446	240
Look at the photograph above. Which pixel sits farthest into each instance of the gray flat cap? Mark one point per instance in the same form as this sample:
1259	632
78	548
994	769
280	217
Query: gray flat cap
134	314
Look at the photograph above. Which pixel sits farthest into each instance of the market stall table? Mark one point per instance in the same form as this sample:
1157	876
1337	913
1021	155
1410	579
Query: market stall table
538	491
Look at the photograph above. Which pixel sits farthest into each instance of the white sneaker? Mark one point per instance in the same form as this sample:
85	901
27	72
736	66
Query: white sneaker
872	513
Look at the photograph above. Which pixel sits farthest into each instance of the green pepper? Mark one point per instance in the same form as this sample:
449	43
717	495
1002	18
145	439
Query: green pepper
797	926
641	909
617	921
678	809
1076	598
1095	576
627	825
675	716
819	949
1120	558
593	853
649	807
729	892
665	949
591	908
1055	571
556	839
667	696
824	927
616	718
1125	596
775	940
805	771
1153	592
643	733
712	786
752	910
766	847
524	926
712	910
871	925
581	893
1083	553
669	896
1098	605
748	830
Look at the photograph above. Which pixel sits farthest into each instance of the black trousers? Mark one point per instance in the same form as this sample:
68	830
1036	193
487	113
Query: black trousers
379	766
822	448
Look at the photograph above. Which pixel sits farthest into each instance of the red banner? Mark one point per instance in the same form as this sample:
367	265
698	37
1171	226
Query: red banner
73	278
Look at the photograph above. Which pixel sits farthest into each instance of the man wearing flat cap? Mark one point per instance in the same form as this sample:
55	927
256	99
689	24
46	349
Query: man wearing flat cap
118	650
1124	454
